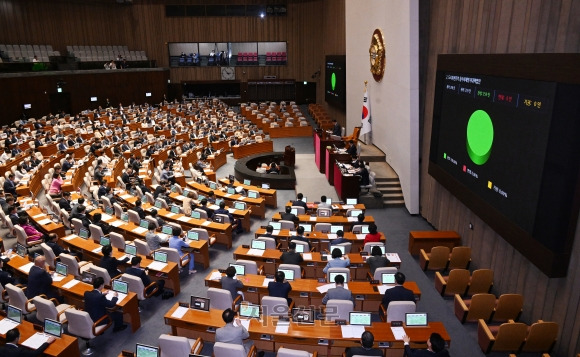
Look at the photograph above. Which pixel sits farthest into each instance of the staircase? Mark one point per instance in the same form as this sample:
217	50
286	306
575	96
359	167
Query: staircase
386	179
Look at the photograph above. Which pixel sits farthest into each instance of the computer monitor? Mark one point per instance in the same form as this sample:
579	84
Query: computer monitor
250	310
120	286
167	230
329	201
336	228
333	275
351	201
21	250
52	327
266	186
144	223
342	249
158	204
130	249
247	182
276	225
88	277
185	192
173	188
200	197
307	227
355	212
302	315
192	235
109	210
160	256
253	194
231	190
294	211
388	278
212	185
14	314
105	241
416	319
218	201
199	303
195	214
300	248
240	269
258	244
84	233
146	351
240	206
144	199
365	229
125	217
288	274
60	268
360	318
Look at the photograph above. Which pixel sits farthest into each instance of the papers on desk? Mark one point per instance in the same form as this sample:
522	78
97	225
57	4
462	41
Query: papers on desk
231	210
6	325
57	277
70	237
126	196
157	266
120	296
180	197
256	252
312	219
275	232
216	275
307	256
139	230
282	326
352	219
331	236
163	236
26	267
246	323
267	281
179	312
292	233
398	332
352	331
360	236
206	223
170	214
117	223
324	288
393	257
228	194
383	288
242	198
35	340
105	217
213	207
97	250
38	216
183	219
347	206
70	284
44	221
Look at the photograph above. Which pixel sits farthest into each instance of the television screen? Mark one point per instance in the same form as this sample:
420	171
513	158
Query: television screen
502	142
335	81
148	94
93	99
27	106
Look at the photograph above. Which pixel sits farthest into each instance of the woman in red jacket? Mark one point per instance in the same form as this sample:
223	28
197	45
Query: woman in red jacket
372	236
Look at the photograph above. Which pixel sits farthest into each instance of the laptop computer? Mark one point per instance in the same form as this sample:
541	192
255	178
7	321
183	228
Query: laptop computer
360	318
167	230
199	303
336	228
253	194
247	182
175	209
61	268
21	250
416	319
160	257
288	274
351	201
300	248
388	278
158	204
249	311
218	201
294	211
195	214
302	315
212	185
276	225
104	241
339	247
365	229
130	249
258	244
307	227
144	199
84	233
121	287
88	277
14	314
329	201
52	327
146	351
333	275
355	212
192	235
231	190
125	217
240	269
240	206
144	224
304	199
110	211
266	186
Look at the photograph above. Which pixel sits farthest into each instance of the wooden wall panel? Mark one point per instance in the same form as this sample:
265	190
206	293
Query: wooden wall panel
503	26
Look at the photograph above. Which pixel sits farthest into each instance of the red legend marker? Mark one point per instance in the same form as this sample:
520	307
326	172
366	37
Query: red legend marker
464	168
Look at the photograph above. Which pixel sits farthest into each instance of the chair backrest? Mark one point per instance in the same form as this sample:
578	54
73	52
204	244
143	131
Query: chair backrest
322	227
172	255
79	323
106	201
16	297
102	272
347	247
117	240
251	266
220	299
287	225
338	309
508	307
21	236
438	258
45	309
481	281
384	270
118	210
134	216
304	244
460	258
299	209
270	242
72	264
77	225
510	336
202	213
96	232
541	337
274	306
221	349
397	309
225	217
65	218
171	346
296	268
457	282
480	307
142	247
48	254
338	270
135	285
287	352
324	212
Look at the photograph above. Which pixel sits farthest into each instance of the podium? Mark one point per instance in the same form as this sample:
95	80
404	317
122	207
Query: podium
289	156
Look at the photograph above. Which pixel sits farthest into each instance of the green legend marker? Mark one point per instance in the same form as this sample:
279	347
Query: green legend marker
333	80
445	156
479	137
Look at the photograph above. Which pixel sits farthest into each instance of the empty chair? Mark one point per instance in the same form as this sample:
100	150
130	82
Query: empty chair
49	309
287	352
295	268
275	306
437	259
481	282
508	337
136	285
17	298
324	212
77	225
508	307
455	283
221	349
75	267
338	270
460	258
322	227
221	299
338	309
142	247
541	337
397	309
171	346
48	255
382	270
251	266
117	240
270	242
100	272
174	256
96	232
287	225
134	216
480	306
81	325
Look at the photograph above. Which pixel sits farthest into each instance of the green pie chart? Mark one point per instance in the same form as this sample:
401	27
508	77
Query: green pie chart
479	137
333	80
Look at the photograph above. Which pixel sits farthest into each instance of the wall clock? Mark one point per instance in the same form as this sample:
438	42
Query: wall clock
228	73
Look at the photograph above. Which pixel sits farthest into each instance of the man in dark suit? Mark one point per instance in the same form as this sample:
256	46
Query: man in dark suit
96	304
291	257
367	339
11	349
203	207
5	277
280	287
399	292
336	129
57	249
81	214
39	280
67	164
351	149
10	185
110	263
300	235
289	216
435	347
299	201
64	202
136	270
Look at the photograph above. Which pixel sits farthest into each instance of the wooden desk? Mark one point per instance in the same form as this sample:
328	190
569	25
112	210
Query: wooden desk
312	267
321	141
251	149
304	291
308	337
75	295
65	346
218	160
331	157
36	215
258	205
289	131
346	185
337	208
269	194
347	222
428	239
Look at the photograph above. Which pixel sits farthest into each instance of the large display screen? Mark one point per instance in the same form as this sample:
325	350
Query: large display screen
335	81
504	145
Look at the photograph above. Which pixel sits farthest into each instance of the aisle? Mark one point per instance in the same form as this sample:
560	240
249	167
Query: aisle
310	181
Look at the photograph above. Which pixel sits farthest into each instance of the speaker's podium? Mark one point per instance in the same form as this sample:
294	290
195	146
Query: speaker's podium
289	156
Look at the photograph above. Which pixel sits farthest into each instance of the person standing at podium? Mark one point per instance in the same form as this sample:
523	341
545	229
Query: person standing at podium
351	148
336	129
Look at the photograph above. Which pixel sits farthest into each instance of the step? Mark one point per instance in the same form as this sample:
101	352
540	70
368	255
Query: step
400	203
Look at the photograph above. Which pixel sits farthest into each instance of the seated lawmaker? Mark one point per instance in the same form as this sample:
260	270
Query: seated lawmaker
280	287
339	292
337	261
291	256
367	340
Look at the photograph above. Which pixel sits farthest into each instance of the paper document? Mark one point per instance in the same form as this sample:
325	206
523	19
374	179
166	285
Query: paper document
105	217
213	207
180	197
360	236
231	210
120	296
307	256
383	288
352	331
38	216
139	230
276	232
126	196
228	194
256	252
97	250
352	219
44	221
71	237
216	275
35	340
398	332
246	323
116	223
206	223
347	206
331	236
393	257
157	266
26	267
282	326
179	312
57	277
312	219
6	325
170	214
183	219
71	283
267	281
